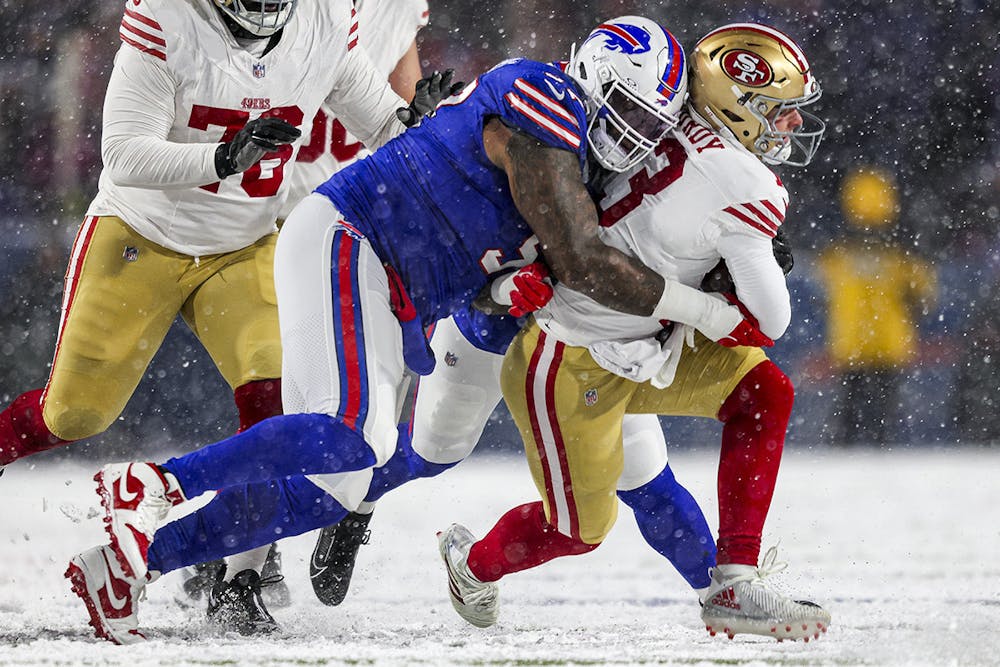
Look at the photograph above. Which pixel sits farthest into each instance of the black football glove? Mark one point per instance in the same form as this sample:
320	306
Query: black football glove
429	92
719	280
259	136
782	252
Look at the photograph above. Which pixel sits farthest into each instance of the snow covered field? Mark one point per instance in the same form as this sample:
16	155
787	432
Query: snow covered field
903	548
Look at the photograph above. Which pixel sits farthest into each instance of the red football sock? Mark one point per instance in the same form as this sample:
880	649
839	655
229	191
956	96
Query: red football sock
756	418
257	400
522	539
23	431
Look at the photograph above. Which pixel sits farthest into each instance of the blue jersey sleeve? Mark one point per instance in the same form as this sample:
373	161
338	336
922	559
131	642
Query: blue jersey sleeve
542	101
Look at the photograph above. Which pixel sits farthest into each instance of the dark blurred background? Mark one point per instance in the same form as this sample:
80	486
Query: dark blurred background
912	102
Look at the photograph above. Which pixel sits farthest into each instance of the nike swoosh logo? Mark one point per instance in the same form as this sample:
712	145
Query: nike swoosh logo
558	94
113	599
124	493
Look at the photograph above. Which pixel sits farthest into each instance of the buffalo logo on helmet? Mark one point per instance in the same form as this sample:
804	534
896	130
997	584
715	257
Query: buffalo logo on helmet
623	37
747	68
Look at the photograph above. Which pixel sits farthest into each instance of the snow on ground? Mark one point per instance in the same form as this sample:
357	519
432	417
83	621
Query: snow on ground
903	548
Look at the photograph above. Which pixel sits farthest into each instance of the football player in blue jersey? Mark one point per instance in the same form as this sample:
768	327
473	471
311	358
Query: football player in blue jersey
378	253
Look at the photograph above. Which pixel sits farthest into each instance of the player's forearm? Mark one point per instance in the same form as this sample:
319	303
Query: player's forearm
147	162
760	283
364	102
138	115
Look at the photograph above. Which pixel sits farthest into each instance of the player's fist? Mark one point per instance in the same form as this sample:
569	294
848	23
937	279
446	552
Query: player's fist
747	331
259	136
430	90
746	334
531	289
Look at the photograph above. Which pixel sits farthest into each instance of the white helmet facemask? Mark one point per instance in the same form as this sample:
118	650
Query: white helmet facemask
262	18
635	77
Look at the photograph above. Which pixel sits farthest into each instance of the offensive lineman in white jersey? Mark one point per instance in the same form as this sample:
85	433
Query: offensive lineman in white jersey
202	122
386	30
577	368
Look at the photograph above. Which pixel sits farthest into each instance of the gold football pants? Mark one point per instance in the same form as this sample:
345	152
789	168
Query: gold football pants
569	411
120	297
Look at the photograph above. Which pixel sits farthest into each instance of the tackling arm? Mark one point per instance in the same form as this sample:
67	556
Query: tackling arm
548	191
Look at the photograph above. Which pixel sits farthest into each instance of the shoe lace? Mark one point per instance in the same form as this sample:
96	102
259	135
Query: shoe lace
769	565
271	580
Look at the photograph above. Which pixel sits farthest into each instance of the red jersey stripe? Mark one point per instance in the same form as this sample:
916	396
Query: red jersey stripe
145	49
145	35
143	19
739	215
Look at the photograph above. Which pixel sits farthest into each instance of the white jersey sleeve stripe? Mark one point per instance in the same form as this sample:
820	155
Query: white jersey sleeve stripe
545	123
352	34
762	215
141	47
756	224
545	101
143	33
138	32
779	214
142	19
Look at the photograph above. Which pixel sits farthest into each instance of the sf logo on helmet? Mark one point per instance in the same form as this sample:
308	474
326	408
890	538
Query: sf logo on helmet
747	68
623	37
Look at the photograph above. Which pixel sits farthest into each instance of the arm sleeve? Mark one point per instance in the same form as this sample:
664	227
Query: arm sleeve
546	108
364	102
760	284
138	115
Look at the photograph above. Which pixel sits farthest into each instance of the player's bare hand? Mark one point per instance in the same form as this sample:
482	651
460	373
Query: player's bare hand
255	139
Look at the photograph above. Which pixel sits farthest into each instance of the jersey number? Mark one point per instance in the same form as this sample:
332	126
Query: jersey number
642	184
341	150
493	261
264	178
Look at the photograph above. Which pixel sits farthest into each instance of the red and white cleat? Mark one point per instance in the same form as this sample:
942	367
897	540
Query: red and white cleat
136	498
109	594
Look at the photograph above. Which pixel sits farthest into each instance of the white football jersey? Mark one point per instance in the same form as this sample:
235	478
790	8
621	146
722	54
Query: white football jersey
386	29
182	83
697	199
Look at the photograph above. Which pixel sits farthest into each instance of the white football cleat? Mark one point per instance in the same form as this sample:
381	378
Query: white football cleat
110	595
739	600
136	498
475	601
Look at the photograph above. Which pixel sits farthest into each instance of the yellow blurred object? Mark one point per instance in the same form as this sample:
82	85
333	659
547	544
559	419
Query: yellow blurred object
873	299
869	198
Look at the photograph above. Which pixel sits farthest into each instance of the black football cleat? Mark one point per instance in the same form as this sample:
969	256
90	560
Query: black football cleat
198	581
333	558
237	605
275	594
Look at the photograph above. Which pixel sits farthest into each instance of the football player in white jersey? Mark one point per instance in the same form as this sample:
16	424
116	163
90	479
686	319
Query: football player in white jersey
578	368
387	30
202	122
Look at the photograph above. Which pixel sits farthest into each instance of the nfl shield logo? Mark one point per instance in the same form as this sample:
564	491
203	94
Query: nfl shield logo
258	70
130	254
590	397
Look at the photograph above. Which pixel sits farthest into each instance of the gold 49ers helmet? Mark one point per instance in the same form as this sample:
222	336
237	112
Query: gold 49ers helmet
744	76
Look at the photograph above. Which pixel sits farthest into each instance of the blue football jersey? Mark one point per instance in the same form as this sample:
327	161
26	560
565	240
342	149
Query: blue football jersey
433	205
